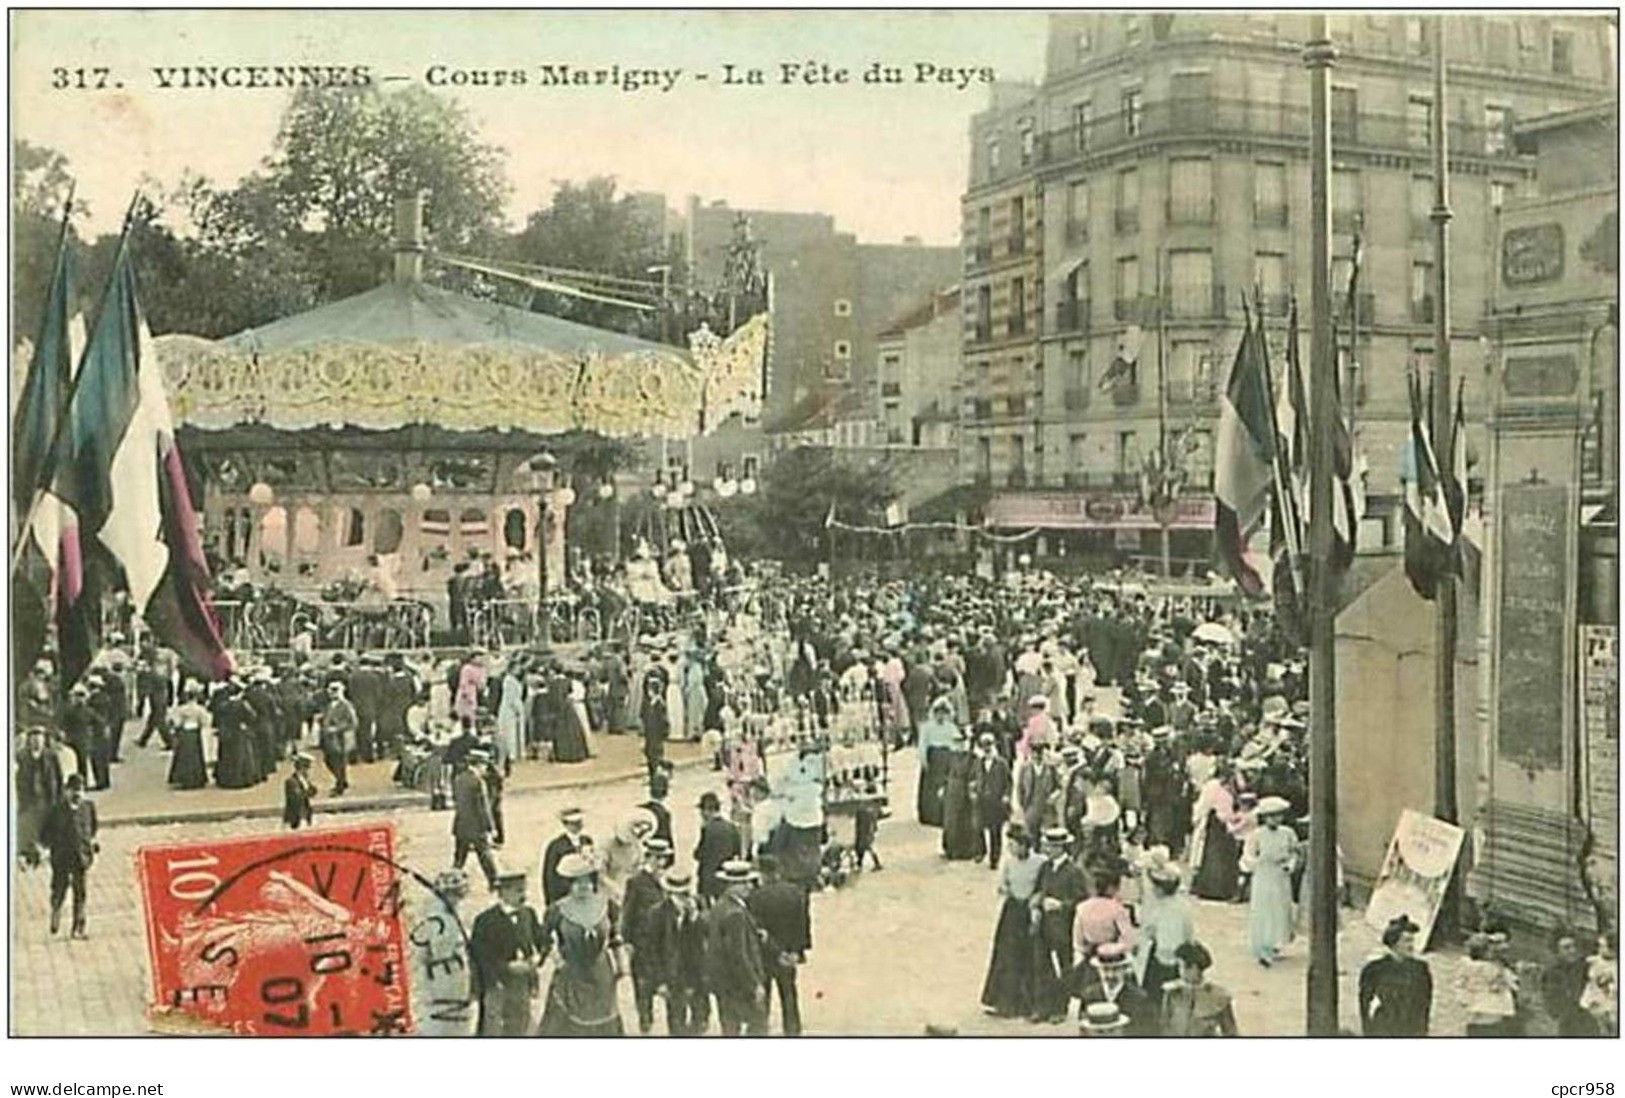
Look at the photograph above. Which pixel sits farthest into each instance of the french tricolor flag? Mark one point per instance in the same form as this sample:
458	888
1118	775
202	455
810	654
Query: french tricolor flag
121	472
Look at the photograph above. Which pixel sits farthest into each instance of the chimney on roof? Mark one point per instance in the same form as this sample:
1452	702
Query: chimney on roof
409	244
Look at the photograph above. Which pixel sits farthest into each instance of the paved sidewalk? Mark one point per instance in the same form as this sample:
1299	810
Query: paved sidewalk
141	793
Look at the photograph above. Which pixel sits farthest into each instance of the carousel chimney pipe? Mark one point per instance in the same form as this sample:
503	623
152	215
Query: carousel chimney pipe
409	245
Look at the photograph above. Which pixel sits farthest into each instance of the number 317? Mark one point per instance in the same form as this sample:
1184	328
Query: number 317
80	79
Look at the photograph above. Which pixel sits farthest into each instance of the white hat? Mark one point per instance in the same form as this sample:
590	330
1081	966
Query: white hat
572	866
1273	806
1038	701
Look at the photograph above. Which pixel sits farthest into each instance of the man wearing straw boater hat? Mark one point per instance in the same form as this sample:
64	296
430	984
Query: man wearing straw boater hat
505	947
675	956
737	973
571	841
1061	887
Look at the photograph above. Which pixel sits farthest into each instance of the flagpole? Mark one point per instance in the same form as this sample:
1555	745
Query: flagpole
1318	58
1444	677
48	470
1162	411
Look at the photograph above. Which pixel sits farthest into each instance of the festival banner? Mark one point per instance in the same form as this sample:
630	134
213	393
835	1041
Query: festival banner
1415	873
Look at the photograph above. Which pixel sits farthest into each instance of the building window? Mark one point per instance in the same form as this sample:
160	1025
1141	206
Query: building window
1419	121
1082	43
1018	306
843	307
1422	293
1346	204
1190	190
1497	129
1128	287
1416	39
1269	194
1132	112
1500	194
1029	141
1345	111
1563	52
1082	116
1128	452
1077	212
984	458
1132	31
843	350
1018	225
1077	365
1269	279
984	313
1077	453
1128	200
1191	102
1190	274
1421	206
1191	379
993	156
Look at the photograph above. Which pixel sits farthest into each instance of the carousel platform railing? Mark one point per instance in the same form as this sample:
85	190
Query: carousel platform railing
263	624
848	737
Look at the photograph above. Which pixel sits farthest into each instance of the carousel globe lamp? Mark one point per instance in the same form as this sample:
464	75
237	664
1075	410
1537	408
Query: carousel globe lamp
261	494
421	492
606	495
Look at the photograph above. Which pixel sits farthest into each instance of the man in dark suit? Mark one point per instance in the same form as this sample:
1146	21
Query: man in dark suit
395	696
555	887
69	832
365	689
1061	887
733	950
676	959
157	693
653	716
505	947
1396	989
659	787
990	785
719	843
783	911
1038	791
644	893
298	791
471	821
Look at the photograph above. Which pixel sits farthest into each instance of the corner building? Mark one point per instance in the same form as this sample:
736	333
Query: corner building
1160	170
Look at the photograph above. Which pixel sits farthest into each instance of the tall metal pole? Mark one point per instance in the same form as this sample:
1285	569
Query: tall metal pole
1444	676
1163	470
1318	58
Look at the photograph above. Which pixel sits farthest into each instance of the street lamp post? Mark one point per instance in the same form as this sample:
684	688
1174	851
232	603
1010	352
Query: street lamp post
606	492
542	469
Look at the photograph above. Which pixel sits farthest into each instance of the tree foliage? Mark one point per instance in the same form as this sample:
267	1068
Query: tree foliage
41	181
587	226
798	489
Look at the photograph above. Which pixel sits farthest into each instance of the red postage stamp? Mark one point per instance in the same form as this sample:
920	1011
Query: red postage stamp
292	934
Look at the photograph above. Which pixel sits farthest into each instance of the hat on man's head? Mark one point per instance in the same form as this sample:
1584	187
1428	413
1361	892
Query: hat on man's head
508	880
1273	806
570	814
1038	701
736	871
678	880
710	800
1058	836
1103	1018
656	845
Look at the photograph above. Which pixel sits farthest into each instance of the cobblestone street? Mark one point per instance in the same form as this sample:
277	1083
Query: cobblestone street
893	952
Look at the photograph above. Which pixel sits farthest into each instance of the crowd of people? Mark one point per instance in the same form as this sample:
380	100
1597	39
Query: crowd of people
1112	757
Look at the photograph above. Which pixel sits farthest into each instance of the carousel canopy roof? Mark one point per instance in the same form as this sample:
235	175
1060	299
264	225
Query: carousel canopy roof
414	313
406	354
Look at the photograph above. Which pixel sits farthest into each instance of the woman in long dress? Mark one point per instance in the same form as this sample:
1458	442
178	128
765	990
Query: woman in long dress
1008	990
937	736
1214	851
581	1000
189	766
236	767
510	718
569	733
962	840
1165	916
1270	854
695	699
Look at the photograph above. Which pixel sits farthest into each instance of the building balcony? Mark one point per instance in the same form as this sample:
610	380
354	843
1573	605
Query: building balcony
1365	308
1271	216
1189	213
1126	221
1076	399
1196	303
1220	118
1071	316
1077	232
1195	393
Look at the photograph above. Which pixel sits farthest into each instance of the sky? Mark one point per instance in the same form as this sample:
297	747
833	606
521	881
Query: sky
887	161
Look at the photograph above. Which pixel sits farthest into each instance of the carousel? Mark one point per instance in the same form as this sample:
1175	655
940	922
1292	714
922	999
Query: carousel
379	445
